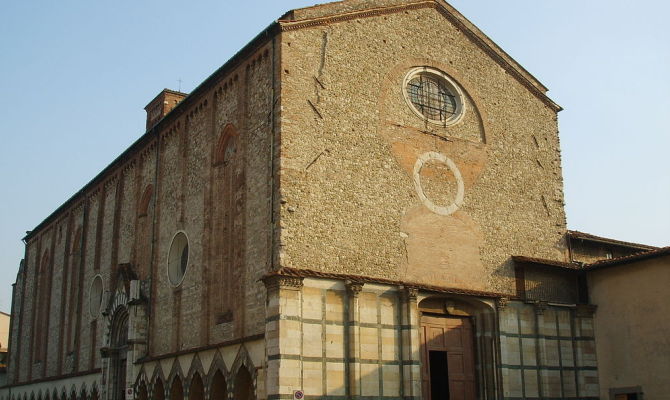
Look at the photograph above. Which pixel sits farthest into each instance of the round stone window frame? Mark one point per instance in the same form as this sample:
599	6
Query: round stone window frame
174	258
98	291
453	87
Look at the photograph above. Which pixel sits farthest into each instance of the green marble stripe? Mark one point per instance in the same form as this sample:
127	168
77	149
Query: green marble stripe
551	398
548	368
548	337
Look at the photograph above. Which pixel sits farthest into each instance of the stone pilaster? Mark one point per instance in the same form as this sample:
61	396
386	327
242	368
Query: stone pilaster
354	338
411	343
283	336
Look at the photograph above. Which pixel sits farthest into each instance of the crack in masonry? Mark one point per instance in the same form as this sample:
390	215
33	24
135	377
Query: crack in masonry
325	151
316	110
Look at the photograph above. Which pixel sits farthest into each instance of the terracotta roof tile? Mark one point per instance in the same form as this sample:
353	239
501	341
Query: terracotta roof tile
659	252
588	236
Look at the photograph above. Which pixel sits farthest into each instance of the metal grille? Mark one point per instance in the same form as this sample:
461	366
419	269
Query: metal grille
431	97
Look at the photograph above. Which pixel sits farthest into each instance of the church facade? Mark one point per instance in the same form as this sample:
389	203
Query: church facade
365	202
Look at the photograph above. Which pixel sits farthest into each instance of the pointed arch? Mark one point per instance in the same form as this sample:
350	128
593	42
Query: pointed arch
175	373
142	378
243	360
226	145
73	392
177	389
196	388
196	368
94	392
83	393
145	201
142	391
157	376
158	390
245	375
243	388
218	365
218	386
42	317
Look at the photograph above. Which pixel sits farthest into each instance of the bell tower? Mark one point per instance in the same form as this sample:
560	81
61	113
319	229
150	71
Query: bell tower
161	105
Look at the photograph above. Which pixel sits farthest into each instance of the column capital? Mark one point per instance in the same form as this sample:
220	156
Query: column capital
408	292
502	303
353	288
283	282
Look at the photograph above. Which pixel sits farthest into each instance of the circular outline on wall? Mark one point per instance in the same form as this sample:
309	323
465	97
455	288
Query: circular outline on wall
92	310
175	258
460	193
459	111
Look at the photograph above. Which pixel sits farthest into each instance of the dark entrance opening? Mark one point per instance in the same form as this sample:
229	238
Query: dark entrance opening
439	375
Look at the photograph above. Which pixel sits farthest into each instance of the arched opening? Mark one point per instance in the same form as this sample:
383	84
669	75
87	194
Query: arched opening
145	201
196	391
142	393
219	388
177	389
244	386
457	348
159	390
119	354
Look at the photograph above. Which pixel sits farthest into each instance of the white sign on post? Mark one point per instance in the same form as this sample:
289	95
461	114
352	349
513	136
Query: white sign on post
129	394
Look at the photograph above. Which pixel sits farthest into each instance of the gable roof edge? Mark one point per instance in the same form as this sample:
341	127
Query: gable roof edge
450	13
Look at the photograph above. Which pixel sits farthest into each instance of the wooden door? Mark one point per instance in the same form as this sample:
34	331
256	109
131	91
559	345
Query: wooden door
448	367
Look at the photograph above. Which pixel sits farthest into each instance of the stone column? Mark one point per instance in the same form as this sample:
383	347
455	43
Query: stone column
411	343
283	336
353	333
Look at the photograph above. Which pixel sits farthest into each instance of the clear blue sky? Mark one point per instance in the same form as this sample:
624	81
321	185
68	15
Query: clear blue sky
75	76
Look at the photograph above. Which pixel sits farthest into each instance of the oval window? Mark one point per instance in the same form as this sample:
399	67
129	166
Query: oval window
178	258
95	296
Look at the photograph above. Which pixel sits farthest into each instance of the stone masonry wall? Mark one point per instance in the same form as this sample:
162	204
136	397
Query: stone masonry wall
127	219
547	352
350	144
330	338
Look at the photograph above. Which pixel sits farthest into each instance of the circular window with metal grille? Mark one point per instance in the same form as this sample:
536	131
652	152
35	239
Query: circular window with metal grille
178	258
433	96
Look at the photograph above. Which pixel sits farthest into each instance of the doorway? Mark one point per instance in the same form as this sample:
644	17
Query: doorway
448	355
